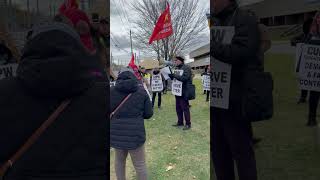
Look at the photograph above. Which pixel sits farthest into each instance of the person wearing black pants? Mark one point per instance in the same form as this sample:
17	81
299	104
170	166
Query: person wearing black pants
230	129
157	86
314	97
182	102
154	94
205	73
306	30
313	106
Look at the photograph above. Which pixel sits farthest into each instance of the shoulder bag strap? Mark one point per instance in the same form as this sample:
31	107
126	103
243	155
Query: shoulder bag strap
33	138
119	106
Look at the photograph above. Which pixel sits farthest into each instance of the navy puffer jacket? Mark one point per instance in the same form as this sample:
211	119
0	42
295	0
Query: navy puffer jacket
127	130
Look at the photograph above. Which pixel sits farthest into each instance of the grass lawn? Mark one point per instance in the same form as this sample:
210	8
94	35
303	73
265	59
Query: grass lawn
186	151
288	150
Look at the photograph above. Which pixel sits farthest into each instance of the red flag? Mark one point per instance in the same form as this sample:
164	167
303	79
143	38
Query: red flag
163	27
134	67
67	5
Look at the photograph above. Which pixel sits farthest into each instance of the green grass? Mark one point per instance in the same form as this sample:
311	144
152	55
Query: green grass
288	150
187	151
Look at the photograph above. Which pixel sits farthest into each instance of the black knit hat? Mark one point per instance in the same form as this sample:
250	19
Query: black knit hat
180	58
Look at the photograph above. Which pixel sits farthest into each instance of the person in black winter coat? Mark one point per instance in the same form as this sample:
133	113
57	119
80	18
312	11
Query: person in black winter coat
182	102
55	67
127	130
230	130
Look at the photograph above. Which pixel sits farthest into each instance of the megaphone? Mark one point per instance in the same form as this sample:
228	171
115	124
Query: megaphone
168	63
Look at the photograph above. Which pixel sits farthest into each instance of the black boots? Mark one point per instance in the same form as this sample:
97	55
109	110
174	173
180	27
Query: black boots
312	121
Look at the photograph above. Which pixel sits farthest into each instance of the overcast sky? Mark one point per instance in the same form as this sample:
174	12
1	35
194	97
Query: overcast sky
120	29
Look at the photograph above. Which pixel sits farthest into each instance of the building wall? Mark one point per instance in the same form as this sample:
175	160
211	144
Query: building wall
283	12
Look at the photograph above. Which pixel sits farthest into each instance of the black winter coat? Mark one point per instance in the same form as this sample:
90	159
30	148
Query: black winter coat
54	67
186	79
127	130
242	53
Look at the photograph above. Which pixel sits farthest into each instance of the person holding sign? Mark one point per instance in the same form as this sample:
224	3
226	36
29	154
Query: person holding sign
306	36
234	45
182	79
157	86
202	79
206	82
311	52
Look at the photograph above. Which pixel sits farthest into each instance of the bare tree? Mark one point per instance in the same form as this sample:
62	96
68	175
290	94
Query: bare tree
188	21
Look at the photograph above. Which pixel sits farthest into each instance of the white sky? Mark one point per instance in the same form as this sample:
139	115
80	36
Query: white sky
120	28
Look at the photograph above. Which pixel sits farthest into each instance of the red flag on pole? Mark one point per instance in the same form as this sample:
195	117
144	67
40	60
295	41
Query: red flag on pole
67	5
134	67
163	26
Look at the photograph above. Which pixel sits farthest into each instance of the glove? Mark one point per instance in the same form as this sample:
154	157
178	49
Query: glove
171	76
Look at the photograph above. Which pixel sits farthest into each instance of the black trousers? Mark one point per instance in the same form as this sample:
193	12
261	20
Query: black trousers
208	95
304	94
165	87
231	140
154	94
313	104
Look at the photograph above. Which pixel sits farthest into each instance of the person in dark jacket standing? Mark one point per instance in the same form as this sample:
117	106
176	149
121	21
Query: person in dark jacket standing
231	139
204	74
182	101
74	146
127	130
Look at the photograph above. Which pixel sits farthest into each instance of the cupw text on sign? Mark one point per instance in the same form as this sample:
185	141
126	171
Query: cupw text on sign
8	71
309	66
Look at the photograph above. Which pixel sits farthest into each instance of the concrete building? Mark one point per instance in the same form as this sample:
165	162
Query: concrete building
201	57
284	12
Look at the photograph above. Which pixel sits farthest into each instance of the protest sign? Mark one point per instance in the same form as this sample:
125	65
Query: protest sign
165	72
221	72
9	70
308	67
156	83
177	85
206	82
112	83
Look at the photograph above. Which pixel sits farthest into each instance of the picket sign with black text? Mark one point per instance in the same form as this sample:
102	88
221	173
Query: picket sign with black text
9	70
206	82
221	77
156	83
177	85
308	67
112	83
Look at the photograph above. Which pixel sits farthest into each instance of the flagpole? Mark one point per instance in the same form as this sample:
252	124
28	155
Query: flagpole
131	42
